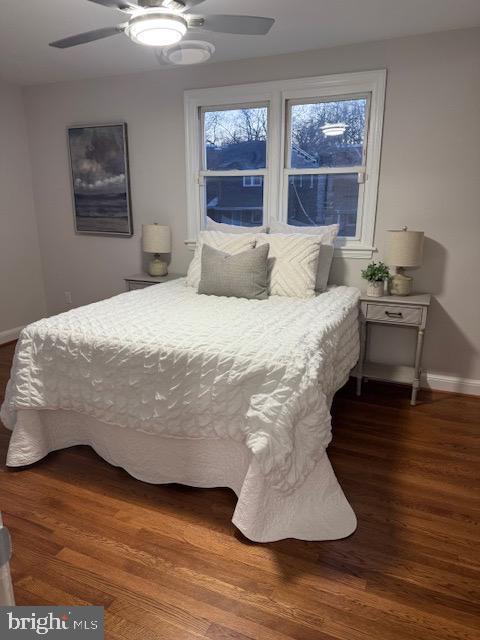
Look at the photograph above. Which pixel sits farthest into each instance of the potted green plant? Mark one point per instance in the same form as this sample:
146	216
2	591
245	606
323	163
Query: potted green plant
376	274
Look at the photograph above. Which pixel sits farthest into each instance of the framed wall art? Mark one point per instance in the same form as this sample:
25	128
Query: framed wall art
100	179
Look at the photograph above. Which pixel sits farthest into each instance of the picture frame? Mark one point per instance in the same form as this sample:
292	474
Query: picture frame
100	179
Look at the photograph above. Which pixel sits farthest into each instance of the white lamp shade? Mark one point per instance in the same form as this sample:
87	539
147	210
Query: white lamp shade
156	238
405	248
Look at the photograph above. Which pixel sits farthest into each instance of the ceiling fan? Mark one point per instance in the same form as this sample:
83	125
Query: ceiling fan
160	23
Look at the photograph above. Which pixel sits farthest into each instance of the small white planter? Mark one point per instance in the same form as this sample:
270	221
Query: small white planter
375	289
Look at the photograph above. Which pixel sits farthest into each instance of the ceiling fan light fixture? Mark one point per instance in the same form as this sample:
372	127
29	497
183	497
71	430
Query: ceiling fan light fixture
189	52
161	23
156	29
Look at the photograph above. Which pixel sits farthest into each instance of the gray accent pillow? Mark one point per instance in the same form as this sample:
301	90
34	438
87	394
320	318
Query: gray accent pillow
241	275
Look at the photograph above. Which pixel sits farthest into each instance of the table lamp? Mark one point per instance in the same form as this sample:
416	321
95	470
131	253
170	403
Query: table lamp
404	250
156	239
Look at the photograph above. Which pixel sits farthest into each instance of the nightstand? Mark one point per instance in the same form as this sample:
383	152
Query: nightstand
142	280
404	311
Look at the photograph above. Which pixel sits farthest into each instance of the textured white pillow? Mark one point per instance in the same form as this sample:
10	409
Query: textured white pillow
327	234
293	262
227	242
232	228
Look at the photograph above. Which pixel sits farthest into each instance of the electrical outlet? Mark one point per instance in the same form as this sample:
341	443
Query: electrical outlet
68	297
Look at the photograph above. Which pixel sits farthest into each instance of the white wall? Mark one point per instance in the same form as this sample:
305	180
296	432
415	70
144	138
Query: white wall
22	297
429	174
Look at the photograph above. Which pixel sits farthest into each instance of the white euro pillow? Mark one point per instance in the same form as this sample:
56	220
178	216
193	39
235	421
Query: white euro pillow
232	228
327	234
226	242
292	263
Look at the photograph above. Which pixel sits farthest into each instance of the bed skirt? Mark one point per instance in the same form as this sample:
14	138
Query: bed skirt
316	510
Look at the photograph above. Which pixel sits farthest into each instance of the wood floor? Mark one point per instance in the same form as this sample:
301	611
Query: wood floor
167	564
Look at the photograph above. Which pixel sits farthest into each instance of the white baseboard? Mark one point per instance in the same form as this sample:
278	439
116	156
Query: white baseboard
468	386
9	335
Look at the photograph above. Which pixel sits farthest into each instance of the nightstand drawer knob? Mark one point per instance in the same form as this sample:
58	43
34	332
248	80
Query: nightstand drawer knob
392	314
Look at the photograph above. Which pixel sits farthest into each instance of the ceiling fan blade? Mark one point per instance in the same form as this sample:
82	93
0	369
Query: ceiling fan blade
88	36
122	5
246	25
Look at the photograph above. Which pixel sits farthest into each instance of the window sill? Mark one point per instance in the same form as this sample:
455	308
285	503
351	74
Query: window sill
362	253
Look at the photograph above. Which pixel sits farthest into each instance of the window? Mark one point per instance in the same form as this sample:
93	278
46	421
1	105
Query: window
229	199
234	163
325	199
306	152
327	139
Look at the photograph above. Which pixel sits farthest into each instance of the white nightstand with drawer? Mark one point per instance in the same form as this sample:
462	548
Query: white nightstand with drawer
405	311
142	280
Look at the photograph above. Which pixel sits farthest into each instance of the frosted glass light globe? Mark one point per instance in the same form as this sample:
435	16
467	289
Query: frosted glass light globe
156	30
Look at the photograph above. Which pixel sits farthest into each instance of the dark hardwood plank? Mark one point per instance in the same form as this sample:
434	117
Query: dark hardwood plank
167	564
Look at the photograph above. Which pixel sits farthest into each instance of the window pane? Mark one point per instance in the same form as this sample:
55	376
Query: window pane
328	134
235	200
324	199
236	139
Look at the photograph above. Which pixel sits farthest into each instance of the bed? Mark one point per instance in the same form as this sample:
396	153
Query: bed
201	390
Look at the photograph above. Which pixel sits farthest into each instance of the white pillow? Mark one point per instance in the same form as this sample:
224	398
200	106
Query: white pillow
328	232
232	228
227	242
292	262
327	235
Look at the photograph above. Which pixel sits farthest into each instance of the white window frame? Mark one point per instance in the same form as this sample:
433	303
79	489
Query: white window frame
360	170
277	95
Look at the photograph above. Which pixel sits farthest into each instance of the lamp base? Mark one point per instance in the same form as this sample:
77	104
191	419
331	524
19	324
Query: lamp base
400	284
157	267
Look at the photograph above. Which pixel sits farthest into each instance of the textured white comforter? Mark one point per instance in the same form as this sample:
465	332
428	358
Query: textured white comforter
165	360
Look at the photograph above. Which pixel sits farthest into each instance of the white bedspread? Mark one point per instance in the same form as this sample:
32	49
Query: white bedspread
166	361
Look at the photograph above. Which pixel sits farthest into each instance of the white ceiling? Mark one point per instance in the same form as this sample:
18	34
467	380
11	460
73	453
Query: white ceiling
27	26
